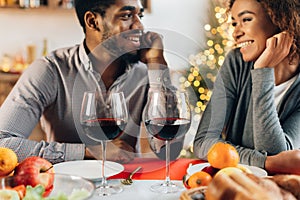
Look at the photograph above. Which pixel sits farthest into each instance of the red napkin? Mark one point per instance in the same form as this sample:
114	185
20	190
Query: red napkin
155	169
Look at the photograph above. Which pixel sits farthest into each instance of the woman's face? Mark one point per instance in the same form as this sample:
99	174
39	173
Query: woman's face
252	27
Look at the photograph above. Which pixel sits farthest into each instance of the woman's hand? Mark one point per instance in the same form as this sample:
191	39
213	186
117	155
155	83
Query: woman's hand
286	162
277	49
239	186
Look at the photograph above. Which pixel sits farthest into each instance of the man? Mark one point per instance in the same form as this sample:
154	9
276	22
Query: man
50	89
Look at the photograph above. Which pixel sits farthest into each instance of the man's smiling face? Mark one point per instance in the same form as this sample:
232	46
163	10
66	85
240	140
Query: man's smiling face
122	22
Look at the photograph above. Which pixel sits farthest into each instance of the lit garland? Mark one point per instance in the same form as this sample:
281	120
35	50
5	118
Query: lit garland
204	65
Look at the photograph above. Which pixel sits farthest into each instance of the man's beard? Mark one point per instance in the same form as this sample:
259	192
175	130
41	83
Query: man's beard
109	41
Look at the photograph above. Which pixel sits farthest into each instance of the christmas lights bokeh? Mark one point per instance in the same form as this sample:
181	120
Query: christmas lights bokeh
204	65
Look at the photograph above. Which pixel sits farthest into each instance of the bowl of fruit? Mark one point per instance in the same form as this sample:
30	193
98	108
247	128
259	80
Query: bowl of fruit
34	178
222	158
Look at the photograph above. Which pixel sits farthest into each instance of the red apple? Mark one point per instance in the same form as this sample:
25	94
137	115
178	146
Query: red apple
48	191
33	171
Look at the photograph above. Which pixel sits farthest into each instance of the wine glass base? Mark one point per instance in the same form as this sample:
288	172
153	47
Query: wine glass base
108	190
166	187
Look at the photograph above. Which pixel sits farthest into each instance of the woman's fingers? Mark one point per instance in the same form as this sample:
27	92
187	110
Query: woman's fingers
239	186
277	49
224	187
283	41
244	181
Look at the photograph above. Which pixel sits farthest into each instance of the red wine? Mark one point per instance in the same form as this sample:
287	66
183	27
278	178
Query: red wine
103	128
167	128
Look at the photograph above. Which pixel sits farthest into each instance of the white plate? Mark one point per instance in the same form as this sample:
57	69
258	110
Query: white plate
198	167
256	170
89	169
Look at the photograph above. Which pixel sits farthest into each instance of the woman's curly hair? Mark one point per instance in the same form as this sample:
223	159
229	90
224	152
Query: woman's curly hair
285	14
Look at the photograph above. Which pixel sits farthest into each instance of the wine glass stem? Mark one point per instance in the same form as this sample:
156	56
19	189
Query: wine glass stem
167	162
103	144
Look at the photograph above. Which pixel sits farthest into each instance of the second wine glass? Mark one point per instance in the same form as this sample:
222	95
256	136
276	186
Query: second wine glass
167	117
103	118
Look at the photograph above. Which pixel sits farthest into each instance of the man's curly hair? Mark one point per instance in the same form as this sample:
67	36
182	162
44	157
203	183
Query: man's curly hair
285	14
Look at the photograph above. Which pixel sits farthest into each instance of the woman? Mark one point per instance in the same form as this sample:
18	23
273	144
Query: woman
255	103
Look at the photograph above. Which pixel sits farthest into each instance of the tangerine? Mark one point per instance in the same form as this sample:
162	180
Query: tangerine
8	161
222	155
198	179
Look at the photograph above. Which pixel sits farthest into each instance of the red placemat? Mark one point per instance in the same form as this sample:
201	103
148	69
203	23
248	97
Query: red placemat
154	169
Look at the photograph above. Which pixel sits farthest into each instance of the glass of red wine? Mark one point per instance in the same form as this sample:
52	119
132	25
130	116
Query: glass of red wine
103	118
167	117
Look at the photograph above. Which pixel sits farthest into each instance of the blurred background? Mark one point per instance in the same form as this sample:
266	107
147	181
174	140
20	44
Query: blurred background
21	27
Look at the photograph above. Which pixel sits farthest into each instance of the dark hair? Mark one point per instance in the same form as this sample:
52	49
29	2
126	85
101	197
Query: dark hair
99	6
285	14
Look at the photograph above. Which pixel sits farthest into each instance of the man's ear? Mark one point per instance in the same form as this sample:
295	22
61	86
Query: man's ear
91	21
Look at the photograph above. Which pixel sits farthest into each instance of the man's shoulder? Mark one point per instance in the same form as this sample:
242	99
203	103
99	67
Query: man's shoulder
62	59
65	51
67	57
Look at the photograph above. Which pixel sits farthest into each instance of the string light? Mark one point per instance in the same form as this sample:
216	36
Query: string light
209	60
204	65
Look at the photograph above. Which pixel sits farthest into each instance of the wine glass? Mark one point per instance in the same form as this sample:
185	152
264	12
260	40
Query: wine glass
103	118
167	117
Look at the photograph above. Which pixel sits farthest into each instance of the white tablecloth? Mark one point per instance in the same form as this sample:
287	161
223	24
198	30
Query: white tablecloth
140	189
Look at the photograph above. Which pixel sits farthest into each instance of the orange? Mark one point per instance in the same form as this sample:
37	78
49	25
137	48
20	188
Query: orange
198	179
8	161
222	155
